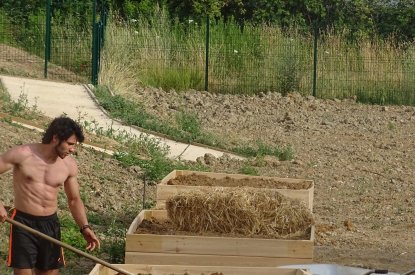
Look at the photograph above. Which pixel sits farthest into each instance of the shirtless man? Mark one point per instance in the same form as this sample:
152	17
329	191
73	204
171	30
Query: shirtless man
39	170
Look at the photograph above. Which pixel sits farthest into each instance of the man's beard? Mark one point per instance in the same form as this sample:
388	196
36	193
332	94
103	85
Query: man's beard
60	152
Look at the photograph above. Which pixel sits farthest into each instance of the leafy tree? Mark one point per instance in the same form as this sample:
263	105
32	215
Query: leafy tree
20	10
395	18
133	9
195	9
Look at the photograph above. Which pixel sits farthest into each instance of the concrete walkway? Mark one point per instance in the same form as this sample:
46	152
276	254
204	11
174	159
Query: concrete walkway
76	101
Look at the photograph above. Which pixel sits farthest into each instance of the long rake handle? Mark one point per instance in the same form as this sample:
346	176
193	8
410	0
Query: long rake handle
55	241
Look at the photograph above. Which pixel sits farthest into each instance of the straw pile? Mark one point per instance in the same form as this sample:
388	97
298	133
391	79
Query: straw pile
245	211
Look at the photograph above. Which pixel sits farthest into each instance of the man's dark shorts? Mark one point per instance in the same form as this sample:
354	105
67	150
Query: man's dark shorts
28	251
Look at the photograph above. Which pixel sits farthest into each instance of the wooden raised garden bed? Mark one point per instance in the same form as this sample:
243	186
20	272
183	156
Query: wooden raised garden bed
179	248
185	181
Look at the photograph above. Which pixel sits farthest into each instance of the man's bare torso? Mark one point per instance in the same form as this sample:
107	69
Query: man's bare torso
37	180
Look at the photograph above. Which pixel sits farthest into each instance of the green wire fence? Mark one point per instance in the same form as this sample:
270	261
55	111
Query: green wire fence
81	43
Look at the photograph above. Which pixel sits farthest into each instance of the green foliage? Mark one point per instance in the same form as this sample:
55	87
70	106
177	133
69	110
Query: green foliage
170	78
289	75
19	108
363	18
149	204
263	149
20	10
394	17
157	166
111	227
6	27
114	246
63	13
195	9
256	58
249	170
132	113
189	123
385	94
70	234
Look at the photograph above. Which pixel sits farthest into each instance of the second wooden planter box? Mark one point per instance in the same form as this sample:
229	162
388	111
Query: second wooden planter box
211	251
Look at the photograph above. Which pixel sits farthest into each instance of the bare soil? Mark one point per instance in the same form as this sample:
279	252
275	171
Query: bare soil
360	157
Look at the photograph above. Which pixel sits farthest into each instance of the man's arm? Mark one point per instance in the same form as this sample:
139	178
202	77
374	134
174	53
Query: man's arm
76	206
6	164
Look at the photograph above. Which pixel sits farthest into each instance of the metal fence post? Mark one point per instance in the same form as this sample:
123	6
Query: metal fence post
315	61
103	19
94	65
207	54
47	36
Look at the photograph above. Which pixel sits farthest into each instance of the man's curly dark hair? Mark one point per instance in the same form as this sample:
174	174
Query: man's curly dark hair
63	127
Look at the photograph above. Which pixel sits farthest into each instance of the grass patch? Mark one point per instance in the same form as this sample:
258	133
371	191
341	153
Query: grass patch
187	128
19	108
262	149
156	167
180	79
249	170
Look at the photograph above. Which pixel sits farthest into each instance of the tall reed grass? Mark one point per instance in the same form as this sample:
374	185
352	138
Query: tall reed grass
165	53
377	71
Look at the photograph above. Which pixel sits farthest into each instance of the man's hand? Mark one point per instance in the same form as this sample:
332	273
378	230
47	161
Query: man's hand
92	240
3	213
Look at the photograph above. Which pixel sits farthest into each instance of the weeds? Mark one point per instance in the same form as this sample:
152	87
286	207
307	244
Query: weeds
189	123
249	170
156	167
188	127
261	149
19	108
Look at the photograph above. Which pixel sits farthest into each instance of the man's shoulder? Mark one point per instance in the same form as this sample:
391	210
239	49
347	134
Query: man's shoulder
71	163
18	153
22	150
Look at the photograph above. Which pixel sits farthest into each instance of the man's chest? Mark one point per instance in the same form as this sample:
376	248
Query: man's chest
37	171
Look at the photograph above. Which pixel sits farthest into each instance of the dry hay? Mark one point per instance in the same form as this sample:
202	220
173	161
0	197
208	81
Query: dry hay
246	211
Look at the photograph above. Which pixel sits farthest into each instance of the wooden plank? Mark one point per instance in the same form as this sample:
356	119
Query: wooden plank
225	270
173	174
136	222
177	173
209	260
229	246
133	268
97	270
146	215
195	270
